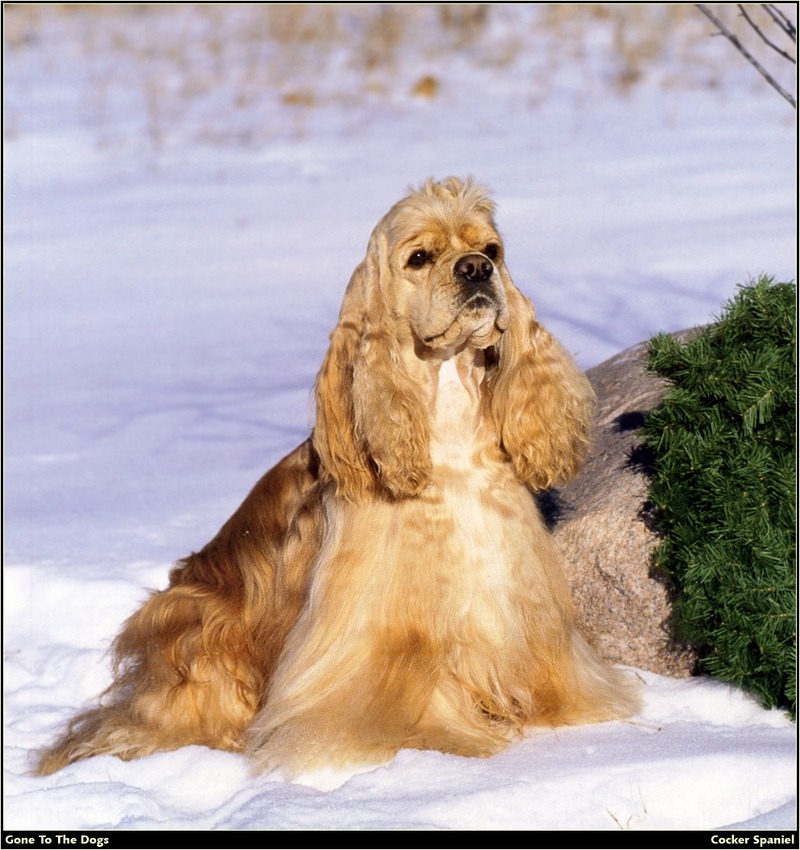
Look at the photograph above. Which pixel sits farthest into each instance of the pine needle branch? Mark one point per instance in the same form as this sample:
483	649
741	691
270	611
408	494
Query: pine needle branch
723	489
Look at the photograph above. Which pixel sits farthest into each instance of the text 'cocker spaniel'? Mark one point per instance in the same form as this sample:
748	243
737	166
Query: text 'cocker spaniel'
390	583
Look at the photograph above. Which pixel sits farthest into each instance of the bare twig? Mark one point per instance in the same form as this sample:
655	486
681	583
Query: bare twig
781	20
734	40
761	35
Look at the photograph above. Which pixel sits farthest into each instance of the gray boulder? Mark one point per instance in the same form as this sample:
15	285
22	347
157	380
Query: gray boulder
600	520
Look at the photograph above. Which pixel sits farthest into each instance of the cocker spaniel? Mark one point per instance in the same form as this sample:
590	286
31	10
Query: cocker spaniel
390	583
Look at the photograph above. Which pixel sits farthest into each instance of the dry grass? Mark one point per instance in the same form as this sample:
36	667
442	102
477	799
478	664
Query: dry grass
219	71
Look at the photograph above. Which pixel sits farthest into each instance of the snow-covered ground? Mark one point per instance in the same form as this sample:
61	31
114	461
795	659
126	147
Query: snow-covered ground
168	292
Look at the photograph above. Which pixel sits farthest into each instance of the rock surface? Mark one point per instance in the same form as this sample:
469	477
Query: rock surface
600	521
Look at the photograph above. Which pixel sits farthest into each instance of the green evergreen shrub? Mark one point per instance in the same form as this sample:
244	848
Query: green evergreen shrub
723	489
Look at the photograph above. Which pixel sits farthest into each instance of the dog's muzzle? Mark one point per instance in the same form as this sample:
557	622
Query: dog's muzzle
475	276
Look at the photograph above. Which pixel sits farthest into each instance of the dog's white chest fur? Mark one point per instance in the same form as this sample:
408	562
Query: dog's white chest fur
489	514
456	416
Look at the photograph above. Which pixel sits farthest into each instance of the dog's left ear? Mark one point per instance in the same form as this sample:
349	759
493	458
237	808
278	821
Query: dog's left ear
541	402
372	431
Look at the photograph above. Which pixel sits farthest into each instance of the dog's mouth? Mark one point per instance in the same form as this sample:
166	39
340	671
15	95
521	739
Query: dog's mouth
480	321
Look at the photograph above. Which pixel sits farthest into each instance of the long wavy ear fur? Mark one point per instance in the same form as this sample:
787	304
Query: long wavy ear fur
541	402
372	429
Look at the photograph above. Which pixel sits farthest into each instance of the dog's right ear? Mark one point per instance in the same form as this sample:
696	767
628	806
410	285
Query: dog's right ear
343	458
372	430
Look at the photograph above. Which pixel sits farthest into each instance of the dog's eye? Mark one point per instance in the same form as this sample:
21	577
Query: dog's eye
492	251
419	259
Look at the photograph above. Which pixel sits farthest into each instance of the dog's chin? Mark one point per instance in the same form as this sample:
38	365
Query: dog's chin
479	325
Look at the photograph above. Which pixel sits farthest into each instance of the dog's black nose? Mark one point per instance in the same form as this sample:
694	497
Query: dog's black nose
474	268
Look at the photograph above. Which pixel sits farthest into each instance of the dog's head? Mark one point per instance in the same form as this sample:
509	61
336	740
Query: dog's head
444	258
434	282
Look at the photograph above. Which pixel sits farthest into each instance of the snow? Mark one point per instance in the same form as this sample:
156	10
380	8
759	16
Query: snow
167	303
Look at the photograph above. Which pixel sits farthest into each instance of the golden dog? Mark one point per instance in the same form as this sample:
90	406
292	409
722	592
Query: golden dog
390	583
